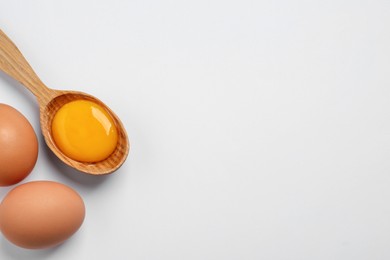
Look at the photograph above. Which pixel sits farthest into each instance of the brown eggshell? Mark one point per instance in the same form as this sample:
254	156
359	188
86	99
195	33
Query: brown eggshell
18	146
41	214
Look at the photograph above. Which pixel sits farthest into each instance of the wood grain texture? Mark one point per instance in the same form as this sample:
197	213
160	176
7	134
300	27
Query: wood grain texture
50	101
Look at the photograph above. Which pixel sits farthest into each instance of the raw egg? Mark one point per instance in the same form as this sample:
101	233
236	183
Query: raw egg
41	214
18	146
84	131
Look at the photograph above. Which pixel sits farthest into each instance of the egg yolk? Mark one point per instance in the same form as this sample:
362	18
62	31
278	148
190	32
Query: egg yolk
84	131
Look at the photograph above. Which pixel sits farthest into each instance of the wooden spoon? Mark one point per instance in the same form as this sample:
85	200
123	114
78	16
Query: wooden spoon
15	65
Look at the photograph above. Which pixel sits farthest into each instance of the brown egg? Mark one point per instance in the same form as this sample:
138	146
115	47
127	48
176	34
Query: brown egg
18	146
41	214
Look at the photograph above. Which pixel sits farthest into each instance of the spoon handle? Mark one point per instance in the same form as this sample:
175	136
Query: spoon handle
16	66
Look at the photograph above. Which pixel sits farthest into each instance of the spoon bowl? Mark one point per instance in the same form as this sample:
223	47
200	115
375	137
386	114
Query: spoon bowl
50	101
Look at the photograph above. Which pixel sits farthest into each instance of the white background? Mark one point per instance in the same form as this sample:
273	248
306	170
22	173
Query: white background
259	129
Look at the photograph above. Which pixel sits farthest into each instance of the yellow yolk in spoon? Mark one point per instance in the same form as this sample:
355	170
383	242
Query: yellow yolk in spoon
84	131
